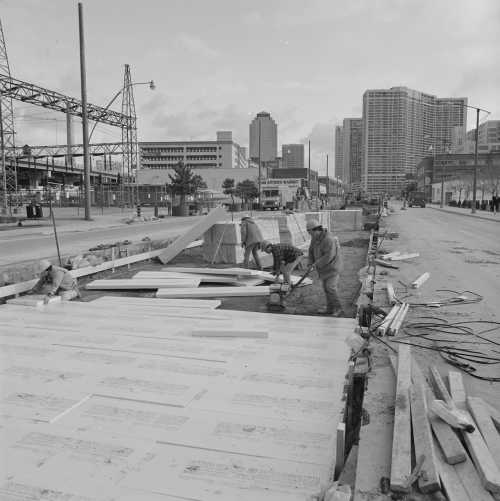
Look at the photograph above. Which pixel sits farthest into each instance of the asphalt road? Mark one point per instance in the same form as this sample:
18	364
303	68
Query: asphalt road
461	254
27	248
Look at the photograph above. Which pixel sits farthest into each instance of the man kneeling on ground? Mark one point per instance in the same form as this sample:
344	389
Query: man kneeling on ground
286	257
53	280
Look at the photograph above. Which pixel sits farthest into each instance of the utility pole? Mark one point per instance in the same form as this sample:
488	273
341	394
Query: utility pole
85	124
260	175
327	182
474	186
309	170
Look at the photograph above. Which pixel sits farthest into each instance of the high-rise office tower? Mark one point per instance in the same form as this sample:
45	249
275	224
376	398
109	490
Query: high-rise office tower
352	154
263	137
339	152
399	126
293	156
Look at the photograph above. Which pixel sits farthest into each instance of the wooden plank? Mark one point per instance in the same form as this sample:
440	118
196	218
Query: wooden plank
142	284
440	388
34	300
213	271
350	392
248	282
422	438
483	461
405	256
387	321
229	332
447	438
494	415
385	264
390	294
190	235
396	324
401	444
482	418
213	292
420	281
152	301
162	275
340	450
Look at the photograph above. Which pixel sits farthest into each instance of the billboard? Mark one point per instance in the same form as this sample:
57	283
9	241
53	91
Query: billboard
294	183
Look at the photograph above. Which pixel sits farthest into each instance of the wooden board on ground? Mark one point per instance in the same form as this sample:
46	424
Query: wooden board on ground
203	475
152	301
215	271
162	275
401	444
229	332
420	281
213	292
165	255
143	284
33	300
494	415
308	442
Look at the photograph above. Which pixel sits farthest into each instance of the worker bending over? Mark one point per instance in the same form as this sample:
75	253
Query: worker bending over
251	237
54	279
286	257
324	256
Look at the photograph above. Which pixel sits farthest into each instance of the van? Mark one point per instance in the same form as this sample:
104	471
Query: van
417	198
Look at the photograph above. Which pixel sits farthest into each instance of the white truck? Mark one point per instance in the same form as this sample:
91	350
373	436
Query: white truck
279	194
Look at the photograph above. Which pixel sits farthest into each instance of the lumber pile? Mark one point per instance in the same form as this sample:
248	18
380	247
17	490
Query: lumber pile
345	220
442	463
222	242
292	227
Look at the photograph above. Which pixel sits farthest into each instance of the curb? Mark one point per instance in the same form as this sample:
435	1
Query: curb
468	215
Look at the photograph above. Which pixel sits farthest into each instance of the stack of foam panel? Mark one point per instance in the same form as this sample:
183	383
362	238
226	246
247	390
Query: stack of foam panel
292	227
229	237
323	217
345	220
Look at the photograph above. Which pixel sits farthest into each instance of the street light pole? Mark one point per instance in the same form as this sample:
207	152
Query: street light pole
474	186
442	174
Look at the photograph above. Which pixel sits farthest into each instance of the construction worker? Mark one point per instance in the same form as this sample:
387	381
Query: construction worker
53	280
251	237
286	257
324	256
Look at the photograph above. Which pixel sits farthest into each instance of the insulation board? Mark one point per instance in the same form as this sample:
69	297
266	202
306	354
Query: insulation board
146	301
33	300
163	275
213	271
142	284
214	292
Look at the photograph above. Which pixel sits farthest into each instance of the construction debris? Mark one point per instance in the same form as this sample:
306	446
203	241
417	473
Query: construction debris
420	281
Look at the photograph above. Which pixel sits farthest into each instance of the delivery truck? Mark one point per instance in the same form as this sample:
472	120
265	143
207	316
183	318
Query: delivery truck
278	194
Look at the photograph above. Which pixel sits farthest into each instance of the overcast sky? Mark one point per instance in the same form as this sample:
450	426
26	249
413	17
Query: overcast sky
217	63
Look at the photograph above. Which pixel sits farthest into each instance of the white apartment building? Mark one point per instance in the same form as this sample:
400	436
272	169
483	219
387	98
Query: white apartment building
399	126
465	142
293	156
220	154
339	153
352	151
263	138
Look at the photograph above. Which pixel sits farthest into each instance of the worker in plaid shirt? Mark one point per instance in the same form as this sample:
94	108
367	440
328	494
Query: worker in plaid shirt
286	257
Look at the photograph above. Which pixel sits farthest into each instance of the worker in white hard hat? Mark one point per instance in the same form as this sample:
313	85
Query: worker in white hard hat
251	237
53	280
324	256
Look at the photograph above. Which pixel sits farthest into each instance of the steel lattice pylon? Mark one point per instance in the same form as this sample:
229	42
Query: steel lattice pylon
129	135
8	178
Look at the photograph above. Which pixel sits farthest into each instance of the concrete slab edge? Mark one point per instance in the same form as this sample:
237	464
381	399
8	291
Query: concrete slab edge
463	214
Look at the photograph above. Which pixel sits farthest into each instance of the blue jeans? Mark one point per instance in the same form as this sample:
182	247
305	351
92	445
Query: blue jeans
252	249
332	293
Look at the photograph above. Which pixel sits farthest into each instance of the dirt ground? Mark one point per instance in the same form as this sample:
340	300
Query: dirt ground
307	300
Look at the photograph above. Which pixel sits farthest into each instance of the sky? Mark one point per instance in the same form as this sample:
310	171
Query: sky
217	63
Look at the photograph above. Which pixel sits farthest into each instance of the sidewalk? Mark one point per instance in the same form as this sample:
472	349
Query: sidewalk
68	220
480	214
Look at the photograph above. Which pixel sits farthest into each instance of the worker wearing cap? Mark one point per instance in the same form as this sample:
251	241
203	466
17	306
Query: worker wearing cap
251	237
52	280
286	257
324	256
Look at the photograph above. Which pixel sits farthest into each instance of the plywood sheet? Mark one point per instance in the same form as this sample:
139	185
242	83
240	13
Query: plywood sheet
214	271
28	402
88	455
162	275
203	475
267	402
143	301
307	442
33	300
214	292
142	284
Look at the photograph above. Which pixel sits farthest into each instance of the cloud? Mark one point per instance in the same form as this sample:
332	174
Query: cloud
322	137
196	46
252	19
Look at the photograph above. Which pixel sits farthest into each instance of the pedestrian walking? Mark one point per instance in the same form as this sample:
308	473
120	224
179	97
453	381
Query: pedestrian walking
251	237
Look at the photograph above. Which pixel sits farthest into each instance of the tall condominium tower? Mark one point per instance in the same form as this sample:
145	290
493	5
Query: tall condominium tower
353	136
293	156
399	126
263	137
339	152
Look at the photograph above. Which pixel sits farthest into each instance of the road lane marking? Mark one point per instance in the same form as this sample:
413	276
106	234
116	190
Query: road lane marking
470	234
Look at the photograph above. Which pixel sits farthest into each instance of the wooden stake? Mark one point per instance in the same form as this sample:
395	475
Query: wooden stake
420	281
350	392
340	450
113	258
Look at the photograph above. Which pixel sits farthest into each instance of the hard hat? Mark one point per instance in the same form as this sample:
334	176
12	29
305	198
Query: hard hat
311	224
245	216
43	265
264	244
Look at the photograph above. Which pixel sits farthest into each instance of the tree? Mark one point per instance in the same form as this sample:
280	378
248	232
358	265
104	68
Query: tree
183	183
228	187
491	174
199	184
247	190
458	184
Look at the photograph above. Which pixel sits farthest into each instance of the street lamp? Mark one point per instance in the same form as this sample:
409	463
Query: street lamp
444	165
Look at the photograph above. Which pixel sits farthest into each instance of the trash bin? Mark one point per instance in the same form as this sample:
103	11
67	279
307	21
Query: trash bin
30	212
38	211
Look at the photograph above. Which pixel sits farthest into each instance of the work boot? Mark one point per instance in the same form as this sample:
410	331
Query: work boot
338	313
324	311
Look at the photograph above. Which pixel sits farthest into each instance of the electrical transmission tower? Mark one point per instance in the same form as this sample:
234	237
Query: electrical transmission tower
8	176
129	135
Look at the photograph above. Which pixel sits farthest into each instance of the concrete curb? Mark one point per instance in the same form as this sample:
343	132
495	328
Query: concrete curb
461	214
